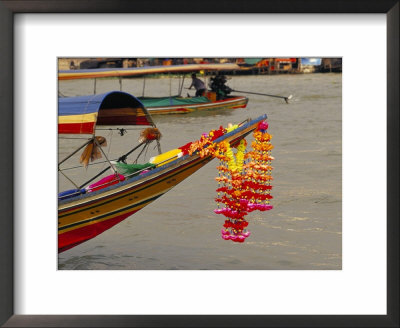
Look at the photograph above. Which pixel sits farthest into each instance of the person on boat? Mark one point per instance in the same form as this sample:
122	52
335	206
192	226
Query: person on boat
198	85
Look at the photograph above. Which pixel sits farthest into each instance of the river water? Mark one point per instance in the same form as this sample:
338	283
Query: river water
180	230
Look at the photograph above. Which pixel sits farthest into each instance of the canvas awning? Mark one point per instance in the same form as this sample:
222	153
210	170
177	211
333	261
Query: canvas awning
81	115
139	71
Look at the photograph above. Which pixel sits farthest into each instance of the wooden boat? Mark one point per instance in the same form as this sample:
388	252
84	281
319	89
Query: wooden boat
180	105
85	212
172	104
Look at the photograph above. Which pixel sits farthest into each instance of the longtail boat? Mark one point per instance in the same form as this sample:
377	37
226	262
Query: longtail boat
90	209
172	104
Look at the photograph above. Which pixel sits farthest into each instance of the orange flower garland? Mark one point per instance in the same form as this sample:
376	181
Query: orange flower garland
243	179
243	188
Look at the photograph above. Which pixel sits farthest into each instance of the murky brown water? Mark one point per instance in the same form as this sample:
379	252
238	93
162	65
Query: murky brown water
180	229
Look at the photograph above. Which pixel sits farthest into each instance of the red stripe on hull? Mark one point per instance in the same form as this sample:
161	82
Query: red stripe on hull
75	237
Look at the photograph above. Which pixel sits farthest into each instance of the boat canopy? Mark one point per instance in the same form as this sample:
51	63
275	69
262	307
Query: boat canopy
252	61
172	101
139	71
81	115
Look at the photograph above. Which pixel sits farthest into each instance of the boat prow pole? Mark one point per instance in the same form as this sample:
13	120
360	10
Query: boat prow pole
267	95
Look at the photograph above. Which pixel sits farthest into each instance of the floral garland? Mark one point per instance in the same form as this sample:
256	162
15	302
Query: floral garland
243	187
243	179
205	145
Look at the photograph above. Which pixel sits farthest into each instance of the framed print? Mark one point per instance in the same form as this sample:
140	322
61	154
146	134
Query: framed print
353	283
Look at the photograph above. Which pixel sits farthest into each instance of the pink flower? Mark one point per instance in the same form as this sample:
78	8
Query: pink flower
225	232
263	125
238	239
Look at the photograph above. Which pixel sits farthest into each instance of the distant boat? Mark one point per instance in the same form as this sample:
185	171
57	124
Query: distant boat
171	104
96	205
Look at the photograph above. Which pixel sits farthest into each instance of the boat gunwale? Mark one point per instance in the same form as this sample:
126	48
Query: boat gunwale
229	100
130	191
129	185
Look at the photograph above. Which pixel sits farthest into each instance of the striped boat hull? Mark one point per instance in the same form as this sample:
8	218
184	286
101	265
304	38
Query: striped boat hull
228	103
83	220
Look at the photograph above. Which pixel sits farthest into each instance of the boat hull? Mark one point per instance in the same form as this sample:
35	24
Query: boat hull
81	221
84	217
228	103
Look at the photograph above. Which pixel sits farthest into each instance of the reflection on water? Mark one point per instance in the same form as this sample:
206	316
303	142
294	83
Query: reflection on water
180	230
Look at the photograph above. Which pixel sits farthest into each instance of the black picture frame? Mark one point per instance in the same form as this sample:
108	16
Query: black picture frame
7	11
